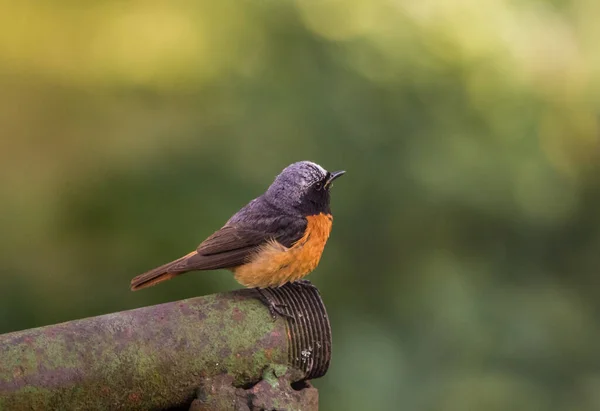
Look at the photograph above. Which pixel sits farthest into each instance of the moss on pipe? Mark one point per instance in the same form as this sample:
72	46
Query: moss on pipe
148	358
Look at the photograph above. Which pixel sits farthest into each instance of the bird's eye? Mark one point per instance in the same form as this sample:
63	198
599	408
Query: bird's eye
319	185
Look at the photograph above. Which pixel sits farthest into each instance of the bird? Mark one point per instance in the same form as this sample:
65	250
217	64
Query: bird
275	239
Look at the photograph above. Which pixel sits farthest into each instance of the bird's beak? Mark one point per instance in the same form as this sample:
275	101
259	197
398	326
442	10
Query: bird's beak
333	176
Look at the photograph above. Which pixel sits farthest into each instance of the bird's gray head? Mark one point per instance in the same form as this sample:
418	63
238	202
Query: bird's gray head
302	187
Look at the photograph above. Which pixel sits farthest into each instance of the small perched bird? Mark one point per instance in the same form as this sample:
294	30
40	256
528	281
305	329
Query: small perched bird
275	239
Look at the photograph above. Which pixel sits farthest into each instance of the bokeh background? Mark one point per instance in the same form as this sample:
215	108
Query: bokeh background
462	271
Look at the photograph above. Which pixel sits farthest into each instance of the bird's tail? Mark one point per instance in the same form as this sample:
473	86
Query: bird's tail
159	274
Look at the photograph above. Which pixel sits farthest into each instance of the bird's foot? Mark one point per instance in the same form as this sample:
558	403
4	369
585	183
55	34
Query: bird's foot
304	283
275	308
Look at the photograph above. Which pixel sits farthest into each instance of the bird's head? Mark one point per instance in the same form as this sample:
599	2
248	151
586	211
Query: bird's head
303	187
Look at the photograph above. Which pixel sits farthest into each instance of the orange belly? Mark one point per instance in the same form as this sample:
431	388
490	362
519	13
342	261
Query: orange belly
274	264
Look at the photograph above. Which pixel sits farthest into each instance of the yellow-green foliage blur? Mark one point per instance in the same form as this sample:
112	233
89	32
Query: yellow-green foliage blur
463	268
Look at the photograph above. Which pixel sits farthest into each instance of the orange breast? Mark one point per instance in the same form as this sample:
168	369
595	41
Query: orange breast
274	264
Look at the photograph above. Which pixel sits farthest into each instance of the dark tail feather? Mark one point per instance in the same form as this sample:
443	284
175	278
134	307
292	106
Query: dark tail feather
158	275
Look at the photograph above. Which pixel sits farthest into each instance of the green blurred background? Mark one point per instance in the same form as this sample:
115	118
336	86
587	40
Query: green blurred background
462	271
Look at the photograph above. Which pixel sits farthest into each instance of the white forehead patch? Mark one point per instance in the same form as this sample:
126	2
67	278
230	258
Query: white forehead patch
311	172
321	169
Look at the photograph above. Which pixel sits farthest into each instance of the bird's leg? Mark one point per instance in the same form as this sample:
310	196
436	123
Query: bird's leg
273	306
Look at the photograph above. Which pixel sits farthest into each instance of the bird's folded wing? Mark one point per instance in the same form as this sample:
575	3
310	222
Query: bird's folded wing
236	242
229	247
232	238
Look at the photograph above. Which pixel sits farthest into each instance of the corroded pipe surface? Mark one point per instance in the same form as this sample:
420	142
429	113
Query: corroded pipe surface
156	357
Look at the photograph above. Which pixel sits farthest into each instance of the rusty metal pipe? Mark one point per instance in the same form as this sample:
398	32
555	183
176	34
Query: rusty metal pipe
157	357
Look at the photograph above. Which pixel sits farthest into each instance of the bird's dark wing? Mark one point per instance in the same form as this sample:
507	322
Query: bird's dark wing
234	243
